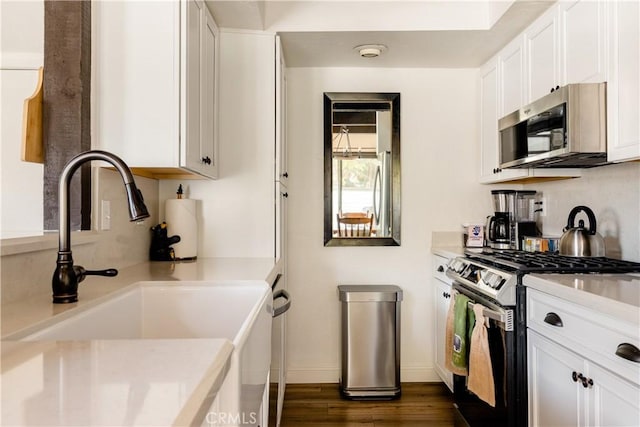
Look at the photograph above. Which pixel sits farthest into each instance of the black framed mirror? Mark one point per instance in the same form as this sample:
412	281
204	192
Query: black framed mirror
361	169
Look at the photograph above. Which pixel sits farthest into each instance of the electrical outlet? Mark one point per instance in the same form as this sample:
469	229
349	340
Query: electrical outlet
543	206
105	220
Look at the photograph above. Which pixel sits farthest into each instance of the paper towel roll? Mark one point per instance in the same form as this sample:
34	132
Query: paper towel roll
182	220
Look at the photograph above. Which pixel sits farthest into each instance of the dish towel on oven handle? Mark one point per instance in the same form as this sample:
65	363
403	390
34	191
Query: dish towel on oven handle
456	334
480	369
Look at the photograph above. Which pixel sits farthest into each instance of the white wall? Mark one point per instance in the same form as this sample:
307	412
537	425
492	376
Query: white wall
236	212
21	53
439	191
612	192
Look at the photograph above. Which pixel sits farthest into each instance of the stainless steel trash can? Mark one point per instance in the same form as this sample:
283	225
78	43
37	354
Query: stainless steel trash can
370	341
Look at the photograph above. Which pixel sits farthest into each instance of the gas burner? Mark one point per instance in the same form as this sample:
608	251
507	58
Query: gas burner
547	262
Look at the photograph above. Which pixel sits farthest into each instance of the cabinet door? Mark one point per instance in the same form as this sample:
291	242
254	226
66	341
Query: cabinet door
611	400
511	61
541	41
208	155
583	48
442	299
488	120
489	114
199	115
623	88
282	173
554	398
135	92
192	44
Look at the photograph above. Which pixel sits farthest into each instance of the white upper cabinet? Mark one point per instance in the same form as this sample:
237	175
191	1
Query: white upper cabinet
583	48
542	57
155	85
623	87
578	41
511	63
567	44
490	99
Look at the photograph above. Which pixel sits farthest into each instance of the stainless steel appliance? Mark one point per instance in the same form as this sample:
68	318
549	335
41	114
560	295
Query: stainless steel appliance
514	219
566	128
499	224
493	278
524	218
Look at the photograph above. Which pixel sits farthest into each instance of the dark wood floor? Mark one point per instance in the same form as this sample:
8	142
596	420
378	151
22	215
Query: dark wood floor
421	404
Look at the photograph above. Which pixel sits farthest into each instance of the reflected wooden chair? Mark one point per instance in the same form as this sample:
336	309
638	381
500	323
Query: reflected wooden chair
355	224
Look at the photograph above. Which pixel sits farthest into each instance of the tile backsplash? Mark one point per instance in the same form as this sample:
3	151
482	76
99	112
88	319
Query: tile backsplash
612	192
27	274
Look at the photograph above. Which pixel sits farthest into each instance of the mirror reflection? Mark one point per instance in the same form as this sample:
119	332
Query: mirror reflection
362	169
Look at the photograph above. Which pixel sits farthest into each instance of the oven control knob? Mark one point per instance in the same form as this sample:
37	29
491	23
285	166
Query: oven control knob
497	282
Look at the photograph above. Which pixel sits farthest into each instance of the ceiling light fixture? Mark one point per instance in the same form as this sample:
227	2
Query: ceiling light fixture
370	50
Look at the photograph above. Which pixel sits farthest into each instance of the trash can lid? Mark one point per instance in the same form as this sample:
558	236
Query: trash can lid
373	293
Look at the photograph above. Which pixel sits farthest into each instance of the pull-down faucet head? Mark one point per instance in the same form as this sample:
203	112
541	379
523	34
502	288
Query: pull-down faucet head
67	276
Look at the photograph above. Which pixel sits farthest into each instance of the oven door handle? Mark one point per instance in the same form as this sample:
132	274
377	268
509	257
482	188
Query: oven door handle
505	317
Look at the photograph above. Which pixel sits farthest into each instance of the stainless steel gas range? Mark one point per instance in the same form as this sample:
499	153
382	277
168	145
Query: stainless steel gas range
493	278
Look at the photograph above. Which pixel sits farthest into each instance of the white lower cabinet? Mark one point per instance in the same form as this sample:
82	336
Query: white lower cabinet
576	377
554	398
565	389
442	298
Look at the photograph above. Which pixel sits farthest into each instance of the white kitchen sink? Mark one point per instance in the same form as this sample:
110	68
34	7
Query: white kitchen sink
240	311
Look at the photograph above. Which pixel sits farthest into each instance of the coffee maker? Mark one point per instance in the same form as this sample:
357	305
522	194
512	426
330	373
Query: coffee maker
499	224
524	223
513	219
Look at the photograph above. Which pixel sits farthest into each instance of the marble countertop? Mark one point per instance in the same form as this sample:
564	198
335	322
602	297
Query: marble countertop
616	295
116	382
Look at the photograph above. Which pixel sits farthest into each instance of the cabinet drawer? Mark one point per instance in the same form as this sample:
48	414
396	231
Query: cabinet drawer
585	331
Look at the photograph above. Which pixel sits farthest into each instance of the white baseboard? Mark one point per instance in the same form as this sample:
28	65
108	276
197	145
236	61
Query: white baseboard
332	375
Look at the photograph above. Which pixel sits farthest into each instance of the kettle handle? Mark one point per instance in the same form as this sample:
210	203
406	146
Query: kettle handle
590	215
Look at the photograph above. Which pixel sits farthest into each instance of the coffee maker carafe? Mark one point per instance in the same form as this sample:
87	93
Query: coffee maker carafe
499	225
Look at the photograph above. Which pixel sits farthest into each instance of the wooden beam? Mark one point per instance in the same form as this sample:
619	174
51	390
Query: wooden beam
67	106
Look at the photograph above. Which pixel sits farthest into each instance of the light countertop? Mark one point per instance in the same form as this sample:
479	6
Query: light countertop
111	382
39	308
116	382
617	295
448	251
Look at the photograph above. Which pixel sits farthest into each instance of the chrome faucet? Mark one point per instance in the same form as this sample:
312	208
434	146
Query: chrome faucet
67	276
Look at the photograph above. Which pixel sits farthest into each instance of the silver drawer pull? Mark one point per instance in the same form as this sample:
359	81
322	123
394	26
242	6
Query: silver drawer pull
553	319
629	352
284	307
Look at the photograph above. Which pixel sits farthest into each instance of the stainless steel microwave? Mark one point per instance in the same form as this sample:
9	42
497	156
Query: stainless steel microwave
566	128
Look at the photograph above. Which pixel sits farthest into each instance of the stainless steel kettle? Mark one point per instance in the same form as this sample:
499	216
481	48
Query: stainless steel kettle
580	241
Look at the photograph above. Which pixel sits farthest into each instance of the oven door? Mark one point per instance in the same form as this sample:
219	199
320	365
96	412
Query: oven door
501	339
